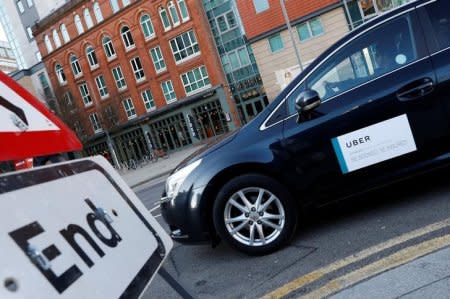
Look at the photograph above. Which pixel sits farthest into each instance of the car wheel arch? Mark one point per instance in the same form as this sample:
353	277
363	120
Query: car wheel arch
216	183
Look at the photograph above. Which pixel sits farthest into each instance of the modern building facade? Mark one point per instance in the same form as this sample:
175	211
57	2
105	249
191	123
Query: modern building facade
237	58
17	18
7	60
315	25
132	76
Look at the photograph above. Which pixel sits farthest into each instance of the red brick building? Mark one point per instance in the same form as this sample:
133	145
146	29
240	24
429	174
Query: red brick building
136	75
259	20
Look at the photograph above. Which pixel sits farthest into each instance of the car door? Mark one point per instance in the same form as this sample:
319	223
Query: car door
367	126
435	17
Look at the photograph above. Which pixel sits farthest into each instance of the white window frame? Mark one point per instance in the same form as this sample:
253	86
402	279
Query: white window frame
64	33
95	122
162	10
87	18
97	12
149	101
30	3
173	12
183	18
114	5
129	108
148	24
86	96
76	67
127	38
48	44
308	25
171	91
197	80
56	39
236	52
102	87
60	75
178	51
109	47
119	81
92	57
160	59
30	33
125	3
78	24
20	6
229	27
138	69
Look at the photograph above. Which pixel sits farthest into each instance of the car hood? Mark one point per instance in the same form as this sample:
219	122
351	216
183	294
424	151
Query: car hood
208	148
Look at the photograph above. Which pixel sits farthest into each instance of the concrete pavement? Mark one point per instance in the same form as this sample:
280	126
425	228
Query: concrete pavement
154	170
426	277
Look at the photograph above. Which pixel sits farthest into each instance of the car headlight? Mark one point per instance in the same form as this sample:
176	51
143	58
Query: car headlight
173	183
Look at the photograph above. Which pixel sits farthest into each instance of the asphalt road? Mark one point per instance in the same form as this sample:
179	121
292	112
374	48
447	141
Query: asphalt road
326	236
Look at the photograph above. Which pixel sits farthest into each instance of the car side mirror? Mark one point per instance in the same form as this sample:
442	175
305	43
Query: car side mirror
307	101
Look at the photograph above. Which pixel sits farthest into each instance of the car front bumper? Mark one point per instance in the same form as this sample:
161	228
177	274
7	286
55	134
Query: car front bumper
187	219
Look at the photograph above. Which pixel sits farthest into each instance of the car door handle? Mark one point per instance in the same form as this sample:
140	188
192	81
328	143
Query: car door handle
415	90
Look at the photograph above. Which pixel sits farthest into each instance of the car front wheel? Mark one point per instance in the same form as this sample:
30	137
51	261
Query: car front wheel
255	214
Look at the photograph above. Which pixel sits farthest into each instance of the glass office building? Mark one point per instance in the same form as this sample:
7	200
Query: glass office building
238	61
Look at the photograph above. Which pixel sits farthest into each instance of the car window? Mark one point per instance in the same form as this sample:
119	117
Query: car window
439	13
381	50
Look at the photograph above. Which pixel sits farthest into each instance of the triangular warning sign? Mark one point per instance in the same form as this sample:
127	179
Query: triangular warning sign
27	127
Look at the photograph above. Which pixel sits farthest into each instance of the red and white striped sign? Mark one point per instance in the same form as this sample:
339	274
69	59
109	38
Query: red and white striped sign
27	127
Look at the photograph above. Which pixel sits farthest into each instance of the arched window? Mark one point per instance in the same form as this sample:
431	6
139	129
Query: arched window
60	74
78	24
48	44
147	26
127	37
173	14
183	9
108	47
56	39
98	12
76	68
65	33
114	5
92	57
164	18
87	18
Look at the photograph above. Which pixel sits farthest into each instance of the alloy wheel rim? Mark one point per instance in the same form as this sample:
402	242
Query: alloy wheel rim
254	216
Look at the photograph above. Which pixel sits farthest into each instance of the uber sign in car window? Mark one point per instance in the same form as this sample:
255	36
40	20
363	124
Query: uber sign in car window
76	230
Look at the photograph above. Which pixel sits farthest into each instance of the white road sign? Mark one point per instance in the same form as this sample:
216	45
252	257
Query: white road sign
17	115
76	230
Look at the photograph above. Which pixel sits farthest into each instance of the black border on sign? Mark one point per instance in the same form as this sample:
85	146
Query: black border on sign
30	178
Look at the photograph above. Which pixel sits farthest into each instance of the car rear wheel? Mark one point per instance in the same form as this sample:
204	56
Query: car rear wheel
255	214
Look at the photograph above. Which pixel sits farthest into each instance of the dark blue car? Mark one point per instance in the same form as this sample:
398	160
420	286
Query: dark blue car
372	109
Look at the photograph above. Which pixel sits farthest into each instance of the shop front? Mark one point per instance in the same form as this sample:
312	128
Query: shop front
182	124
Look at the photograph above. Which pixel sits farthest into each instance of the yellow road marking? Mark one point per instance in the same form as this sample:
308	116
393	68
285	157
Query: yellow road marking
319	273
397	259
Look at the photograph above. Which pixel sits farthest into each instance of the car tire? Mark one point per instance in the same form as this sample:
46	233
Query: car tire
255	214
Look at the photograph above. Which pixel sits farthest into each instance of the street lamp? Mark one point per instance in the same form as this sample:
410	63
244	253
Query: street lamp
288	24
